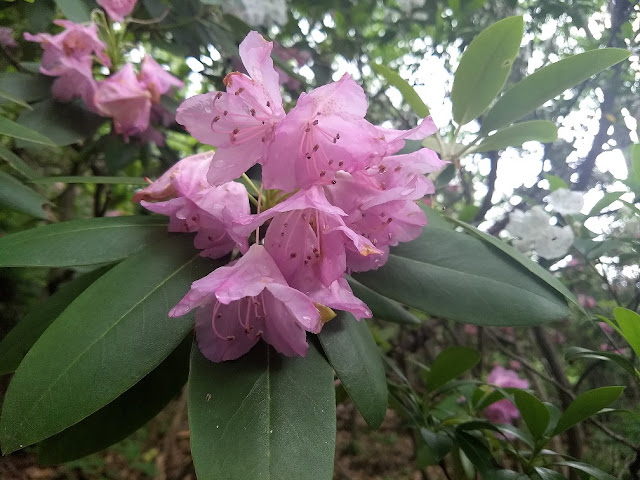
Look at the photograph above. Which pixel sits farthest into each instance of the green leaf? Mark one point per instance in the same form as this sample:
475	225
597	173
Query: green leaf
604	202
263	416
629	323
534	413
484	68
63	123
81	242
382	307
547	83
16	196
541	273
16	130
588	469
408	93
547	474
542	131
586	405
457	276
434	448
353	354
26	86
576	352
634	173
555	182
476	451
12	99
96	179
75	10
124	415
449	364
17	163
21	338
107	340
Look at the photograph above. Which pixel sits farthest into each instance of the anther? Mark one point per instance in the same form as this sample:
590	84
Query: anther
263	138
259	333
308	157
337	136
323	173
225	113
218	95
315	147
331	162
253	112
398	168
315	122
340	163
216	118
268	103
383	186
382	169
239	91
333	182
236	131
231	337
307	129
293	255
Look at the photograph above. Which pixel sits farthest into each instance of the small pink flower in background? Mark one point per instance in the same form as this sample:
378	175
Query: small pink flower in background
470	329
606	328
117	9
6	38
301	58
558	337
247	300
586	301
156	79
125	99
239	122
503	411
515	365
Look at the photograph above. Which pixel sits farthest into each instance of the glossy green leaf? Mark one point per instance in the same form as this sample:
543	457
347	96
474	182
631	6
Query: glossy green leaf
434	448
449	364
16	162
75	10
588	469
514	136
555	182
126	414
634	173
93	179
13	99
547	83
354	355
476	451
573	353
605	201
63	123
548	474
107	340
16	130
484	68
534	413
26	86
15	345
408	93
81	242
586	405
16	196
541	273
263	416
629	323
458	276
382	307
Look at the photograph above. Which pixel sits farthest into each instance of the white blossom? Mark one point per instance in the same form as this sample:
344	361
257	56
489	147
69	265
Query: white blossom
566	202
258	12
533	232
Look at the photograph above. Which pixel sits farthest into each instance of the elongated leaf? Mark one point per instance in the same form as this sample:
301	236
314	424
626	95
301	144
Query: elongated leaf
586	405
81	242
96	179
548	474
12	99
451	363
634	173
16	130
534	413
588	469
536	130
605	201
408	93
484	68
457	276
434	449
16	162
263	416
21	338
353	354
547	83
75	10
107	340
541	273
16	196
577	352
383	307
629	323
476	451
25	86
555	182
124	415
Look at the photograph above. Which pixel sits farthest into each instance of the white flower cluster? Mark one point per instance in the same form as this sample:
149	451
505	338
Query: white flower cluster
258	12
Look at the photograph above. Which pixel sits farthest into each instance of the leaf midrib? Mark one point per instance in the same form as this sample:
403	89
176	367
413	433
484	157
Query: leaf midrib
175	272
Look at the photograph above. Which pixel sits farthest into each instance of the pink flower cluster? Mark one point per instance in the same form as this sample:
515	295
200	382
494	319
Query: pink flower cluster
131	100
335	196
503	411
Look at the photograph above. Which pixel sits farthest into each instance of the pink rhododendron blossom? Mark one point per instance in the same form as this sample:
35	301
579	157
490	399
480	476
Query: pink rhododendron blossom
241	121
247	300
503	411
606	328
193	205
6	38
471	329
335	197
117	9
586	301
125	99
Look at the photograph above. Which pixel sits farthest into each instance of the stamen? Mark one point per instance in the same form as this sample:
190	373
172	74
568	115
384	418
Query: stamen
239	91
397	169
323	173
382	169
340	163
315	122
